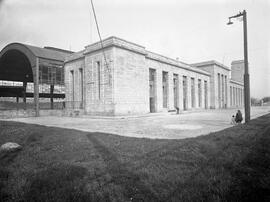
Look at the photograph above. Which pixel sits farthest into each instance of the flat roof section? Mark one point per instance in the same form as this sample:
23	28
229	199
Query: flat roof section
210	62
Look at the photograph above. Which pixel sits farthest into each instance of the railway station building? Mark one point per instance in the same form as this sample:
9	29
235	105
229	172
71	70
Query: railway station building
120	78
124	78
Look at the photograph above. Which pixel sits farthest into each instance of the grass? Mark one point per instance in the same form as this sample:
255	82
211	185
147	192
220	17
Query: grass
69	165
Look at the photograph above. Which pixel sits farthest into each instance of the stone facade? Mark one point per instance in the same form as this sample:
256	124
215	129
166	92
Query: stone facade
133	80
181	70
236	94
219	83
225	90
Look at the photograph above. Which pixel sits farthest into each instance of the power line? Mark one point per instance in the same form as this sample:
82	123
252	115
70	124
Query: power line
102	47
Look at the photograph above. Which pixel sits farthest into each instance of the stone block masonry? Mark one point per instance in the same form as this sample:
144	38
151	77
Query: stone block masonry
123	86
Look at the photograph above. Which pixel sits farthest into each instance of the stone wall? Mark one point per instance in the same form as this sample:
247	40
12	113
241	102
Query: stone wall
73	66
131	85
161	65
98	82
122	86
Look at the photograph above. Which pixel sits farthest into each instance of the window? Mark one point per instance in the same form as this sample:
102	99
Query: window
99	79
226	93
152	90
205	95
152	73
58	75
185	92
219	99
200	92
165	89
72	85
81	83
175	90
192	92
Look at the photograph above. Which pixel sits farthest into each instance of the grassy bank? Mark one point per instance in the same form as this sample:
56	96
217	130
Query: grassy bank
68	165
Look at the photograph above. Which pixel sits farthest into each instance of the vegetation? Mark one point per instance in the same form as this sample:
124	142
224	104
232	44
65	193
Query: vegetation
69	165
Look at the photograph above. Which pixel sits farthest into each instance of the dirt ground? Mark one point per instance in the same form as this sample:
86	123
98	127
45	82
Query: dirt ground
161	126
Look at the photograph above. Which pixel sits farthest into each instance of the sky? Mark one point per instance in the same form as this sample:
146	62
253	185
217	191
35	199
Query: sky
192	30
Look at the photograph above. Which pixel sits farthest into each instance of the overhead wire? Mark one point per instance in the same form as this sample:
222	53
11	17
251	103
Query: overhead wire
101	42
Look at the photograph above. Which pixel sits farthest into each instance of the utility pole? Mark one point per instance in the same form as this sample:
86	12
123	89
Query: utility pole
246	73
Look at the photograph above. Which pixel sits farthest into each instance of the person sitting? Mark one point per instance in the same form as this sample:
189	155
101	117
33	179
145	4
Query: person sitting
238	117
233	120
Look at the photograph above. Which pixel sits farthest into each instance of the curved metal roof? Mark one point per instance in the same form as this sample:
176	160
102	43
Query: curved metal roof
18	60
34	51
48	53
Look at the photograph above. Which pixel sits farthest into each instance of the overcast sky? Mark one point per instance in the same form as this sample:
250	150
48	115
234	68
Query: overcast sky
193	30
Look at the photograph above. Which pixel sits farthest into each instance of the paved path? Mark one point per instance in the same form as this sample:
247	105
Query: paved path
166	126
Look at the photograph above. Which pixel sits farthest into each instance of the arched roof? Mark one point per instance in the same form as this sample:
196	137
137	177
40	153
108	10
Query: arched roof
17	60
32	52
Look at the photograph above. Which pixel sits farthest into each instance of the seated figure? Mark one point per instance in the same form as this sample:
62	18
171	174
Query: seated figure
238	117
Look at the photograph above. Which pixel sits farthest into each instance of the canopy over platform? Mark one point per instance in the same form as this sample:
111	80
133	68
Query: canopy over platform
26	63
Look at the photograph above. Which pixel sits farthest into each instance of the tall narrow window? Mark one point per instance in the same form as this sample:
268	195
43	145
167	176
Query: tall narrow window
205	95
226	93
175	90
81	84
200	92
152	90
98	78
222	91
72	87
231	96
192	92
185	92
219	103
165	89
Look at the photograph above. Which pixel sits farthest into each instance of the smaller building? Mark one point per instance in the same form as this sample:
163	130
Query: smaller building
219	83
226	90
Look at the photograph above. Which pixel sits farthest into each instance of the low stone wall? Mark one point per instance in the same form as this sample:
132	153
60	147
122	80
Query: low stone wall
8	114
